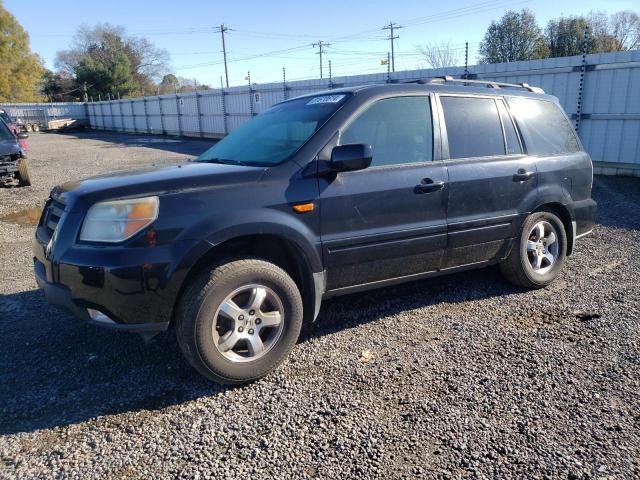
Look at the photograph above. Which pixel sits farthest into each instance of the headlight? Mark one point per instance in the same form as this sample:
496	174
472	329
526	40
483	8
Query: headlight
118	220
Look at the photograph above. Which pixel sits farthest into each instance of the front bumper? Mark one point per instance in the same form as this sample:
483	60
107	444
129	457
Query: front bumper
60	296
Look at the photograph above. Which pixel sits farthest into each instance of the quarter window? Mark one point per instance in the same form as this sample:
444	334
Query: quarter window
473	127
398	129
547	130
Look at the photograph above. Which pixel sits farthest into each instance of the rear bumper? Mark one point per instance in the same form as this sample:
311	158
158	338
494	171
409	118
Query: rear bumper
584	216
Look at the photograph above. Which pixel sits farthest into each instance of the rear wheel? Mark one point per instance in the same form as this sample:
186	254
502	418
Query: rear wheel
541	249
238	321
24	180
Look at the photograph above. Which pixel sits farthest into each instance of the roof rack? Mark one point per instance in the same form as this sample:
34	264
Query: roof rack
488	83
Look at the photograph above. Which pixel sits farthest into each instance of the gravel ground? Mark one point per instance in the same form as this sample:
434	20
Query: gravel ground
459	376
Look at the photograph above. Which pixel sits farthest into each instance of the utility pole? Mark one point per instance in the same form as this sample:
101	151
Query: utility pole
321	45
222	29
391	27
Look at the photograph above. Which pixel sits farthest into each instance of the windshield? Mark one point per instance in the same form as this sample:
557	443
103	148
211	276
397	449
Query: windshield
5	116
5	133
275	135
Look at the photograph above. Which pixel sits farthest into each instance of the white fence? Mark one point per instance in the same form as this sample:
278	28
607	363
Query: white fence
601	93
46	111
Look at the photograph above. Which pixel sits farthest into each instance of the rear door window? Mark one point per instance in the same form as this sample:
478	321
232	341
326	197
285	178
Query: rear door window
398	129
473	127
547	130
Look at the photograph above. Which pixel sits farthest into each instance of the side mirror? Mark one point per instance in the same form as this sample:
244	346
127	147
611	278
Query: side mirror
347	158
23	135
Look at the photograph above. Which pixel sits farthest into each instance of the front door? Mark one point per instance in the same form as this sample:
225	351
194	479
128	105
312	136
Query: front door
490	179
386	221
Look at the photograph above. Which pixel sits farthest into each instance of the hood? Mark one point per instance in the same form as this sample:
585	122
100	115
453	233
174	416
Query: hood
155	180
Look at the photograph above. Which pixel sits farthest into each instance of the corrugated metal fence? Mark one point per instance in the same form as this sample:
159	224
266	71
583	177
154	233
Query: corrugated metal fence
601	92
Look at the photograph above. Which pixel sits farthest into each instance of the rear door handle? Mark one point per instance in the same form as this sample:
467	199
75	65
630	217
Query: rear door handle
523	175
427	185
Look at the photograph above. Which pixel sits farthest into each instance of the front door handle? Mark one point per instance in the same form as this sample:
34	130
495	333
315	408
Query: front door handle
427	185
523	175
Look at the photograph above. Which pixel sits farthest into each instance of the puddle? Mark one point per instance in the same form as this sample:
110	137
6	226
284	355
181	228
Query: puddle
30	216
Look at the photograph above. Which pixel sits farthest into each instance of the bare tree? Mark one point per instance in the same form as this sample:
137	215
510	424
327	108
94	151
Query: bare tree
438	54
625	28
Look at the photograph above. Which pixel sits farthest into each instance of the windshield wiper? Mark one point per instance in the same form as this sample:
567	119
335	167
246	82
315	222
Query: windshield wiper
223	161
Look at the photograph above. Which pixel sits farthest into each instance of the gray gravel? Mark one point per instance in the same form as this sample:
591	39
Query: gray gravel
464	376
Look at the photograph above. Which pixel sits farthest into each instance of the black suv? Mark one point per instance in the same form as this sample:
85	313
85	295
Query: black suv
326	194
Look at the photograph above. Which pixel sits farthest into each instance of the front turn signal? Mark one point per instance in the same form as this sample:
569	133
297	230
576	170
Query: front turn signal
303	207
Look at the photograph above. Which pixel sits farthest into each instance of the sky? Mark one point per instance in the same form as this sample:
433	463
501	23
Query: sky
265	36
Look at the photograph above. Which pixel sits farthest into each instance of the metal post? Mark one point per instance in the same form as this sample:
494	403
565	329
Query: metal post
583	69
178	111
330	77
113	122
102	115
388	67
121	114
133	117
146	114
199	114
224	111
285	93
164	132
466	60
250	95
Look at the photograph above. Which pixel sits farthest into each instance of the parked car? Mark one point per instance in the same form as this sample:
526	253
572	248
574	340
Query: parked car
326	194
13	161
14	127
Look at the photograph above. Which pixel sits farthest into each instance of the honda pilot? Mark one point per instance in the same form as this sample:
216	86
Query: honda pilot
326	194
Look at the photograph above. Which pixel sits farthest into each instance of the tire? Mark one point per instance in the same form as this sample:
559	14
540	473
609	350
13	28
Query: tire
35	127
24	180
208	321
535	261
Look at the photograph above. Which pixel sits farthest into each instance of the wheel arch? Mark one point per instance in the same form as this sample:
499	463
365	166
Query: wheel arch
277	249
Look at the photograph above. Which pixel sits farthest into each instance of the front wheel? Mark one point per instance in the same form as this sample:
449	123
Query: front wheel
540	252
238	321
24	179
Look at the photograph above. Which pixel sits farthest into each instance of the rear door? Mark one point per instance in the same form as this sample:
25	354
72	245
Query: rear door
490	179
388	220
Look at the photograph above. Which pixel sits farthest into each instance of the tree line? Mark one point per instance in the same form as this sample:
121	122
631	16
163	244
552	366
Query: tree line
518	36
103	61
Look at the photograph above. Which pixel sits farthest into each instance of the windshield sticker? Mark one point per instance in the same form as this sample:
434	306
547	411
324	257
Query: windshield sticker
325	99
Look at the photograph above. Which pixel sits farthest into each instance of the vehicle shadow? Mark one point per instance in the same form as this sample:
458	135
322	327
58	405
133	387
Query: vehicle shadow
618	201
184	145
59	371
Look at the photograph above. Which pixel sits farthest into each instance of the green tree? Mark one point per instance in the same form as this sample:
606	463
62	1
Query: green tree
565	36
112	63
57	87
20	70
169	83
516	36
